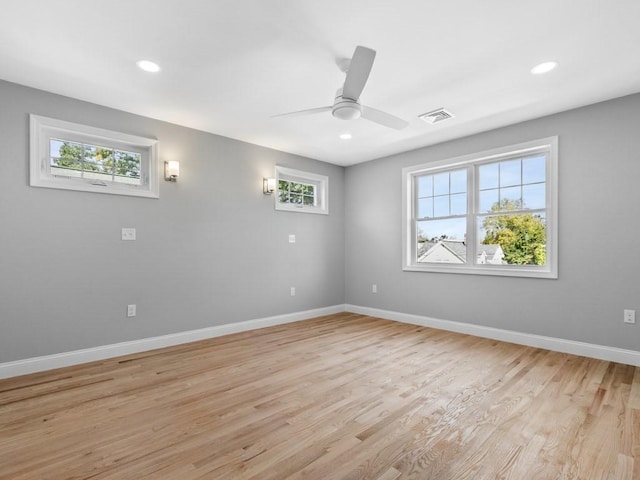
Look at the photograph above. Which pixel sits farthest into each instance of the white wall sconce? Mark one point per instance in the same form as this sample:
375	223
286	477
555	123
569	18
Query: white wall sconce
268	185
171	171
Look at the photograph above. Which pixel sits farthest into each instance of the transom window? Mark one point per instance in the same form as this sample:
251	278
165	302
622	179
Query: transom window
79	157
491	213
79	160
300	191
296	193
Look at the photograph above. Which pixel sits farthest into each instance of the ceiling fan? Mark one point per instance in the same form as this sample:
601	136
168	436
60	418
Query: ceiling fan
346	105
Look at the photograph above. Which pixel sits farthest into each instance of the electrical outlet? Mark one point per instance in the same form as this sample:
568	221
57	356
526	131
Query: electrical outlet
293	291
131	310
292	239
374	288
128	234
629	316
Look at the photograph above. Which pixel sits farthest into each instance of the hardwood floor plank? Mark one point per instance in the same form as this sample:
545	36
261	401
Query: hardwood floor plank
344	396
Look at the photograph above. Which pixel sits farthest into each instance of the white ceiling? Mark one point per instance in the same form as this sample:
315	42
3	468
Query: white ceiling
228	66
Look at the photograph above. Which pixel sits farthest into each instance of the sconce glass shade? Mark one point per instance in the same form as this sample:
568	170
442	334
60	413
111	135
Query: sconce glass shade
268	185
171	171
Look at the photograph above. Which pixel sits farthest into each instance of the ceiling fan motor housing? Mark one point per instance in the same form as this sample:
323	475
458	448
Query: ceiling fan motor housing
345	108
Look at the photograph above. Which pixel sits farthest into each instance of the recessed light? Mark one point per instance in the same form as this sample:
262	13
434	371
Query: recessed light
345	136
148	66
543	68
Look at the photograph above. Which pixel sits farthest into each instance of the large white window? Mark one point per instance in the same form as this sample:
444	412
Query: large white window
299	191
78	157
492	213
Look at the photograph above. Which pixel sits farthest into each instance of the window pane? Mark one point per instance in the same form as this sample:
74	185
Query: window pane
533	196
488	198
54	147
66	155
295	198
488	176
510	173
450	194
521	239
127	167
89	153
103	160
441	206
425	207
90	164
441	241
511	198
441	184
459	181
533	169
425	186
296	193
459	204
491	254
449	228
94	162
283	191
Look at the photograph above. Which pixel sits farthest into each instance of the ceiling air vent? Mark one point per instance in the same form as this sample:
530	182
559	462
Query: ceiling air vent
436	116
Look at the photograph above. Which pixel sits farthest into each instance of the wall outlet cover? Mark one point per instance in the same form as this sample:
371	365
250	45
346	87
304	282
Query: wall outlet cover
128	234
629	316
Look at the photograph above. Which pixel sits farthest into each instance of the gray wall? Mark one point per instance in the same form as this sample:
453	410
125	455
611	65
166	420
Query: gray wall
599	232
212	250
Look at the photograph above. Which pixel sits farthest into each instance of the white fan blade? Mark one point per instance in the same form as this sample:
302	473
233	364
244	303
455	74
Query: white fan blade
358	72
310	111
383	118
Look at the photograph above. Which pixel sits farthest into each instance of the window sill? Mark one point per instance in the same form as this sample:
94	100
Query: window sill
495	270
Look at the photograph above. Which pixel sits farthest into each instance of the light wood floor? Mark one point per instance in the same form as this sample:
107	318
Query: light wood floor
338	397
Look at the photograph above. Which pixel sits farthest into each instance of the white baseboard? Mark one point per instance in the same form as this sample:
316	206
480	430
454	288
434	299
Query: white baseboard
612	354
76	357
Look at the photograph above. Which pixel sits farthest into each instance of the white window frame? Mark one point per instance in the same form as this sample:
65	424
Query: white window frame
43	129
409	228
321	182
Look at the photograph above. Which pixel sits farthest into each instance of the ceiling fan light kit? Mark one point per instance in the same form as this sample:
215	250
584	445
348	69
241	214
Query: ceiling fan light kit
346	105
345	108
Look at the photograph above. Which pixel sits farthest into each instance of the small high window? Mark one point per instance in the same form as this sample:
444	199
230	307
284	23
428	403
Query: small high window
300	191
78	157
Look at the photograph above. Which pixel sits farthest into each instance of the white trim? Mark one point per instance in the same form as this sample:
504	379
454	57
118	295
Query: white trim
76	357
601	352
